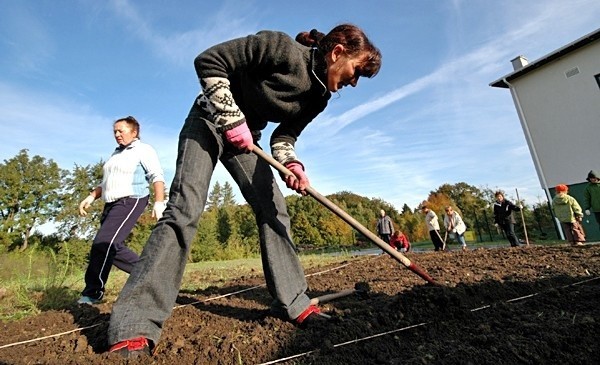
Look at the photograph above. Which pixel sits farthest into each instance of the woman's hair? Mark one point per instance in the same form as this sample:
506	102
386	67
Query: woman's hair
131	122
499	192
354	41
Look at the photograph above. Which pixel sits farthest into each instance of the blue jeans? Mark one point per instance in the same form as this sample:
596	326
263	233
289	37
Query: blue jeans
149	294
460	238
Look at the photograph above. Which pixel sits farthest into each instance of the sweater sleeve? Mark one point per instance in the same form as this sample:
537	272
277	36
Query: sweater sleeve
284	137
577	211
151	164
259	53
512	207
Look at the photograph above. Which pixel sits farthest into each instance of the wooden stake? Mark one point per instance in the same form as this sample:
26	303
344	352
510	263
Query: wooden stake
522	217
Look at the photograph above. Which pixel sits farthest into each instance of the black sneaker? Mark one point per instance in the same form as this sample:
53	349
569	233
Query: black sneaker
132	348
311	316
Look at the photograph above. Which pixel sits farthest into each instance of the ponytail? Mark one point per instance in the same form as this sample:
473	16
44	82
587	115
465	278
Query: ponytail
310	39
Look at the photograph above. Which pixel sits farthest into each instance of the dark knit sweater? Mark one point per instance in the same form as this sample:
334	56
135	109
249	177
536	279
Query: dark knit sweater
261	78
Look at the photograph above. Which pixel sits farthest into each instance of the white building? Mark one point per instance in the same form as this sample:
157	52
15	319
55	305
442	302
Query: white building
557	98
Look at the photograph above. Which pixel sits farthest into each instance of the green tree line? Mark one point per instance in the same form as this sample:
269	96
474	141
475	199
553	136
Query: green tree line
35	191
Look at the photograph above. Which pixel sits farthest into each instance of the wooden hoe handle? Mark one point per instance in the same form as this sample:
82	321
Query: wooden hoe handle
348	219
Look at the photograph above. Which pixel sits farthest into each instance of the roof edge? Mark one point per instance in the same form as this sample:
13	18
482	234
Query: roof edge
575	45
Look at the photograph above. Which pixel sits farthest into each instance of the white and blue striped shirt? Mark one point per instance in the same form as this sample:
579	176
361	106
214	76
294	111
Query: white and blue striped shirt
129	170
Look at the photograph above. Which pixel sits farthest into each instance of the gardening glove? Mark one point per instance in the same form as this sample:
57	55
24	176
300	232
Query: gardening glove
298	181
520	206
587	212
158	209
85	204
496	225
240	137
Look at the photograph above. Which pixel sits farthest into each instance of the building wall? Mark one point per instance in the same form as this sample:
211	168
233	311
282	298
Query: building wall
562	116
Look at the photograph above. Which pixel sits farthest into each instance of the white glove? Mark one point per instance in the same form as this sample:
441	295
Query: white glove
587	212
158	209
496	225
520	206
85	203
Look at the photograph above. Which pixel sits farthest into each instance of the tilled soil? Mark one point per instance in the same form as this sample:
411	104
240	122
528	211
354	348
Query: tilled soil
530	305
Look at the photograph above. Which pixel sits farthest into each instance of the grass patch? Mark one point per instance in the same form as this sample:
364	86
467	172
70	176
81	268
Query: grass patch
15	265
34	282
38	281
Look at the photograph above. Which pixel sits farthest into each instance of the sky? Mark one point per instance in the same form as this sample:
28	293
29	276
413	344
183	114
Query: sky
69	69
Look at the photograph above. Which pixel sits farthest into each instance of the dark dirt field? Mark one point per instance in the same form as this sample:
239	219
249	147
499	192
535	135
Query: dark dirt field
530	305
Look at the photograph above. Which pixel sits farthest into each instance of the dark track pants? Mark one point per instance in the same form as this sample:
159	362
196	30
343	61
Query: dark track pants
108	248
436	239
509	232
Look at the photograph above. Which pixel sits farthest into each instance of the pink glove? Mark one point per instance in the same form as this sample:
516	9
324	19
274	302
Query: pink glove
240	137
298	181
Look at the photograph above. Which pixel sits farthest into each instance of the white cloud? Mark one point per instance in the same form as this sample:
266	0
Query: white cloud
230	21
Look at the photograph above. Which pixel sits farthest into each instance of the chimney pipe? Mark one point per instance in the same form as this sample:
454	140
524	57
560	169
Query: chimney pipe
519	62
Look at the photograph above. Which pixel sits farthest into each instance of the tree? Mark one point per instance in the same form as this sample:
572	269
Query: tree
304	233
225	224
248	229
214	197
206	246
412	223
77	185
406	209
221	201
227	196
466	198
542	224
30	191
364	210
335	231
